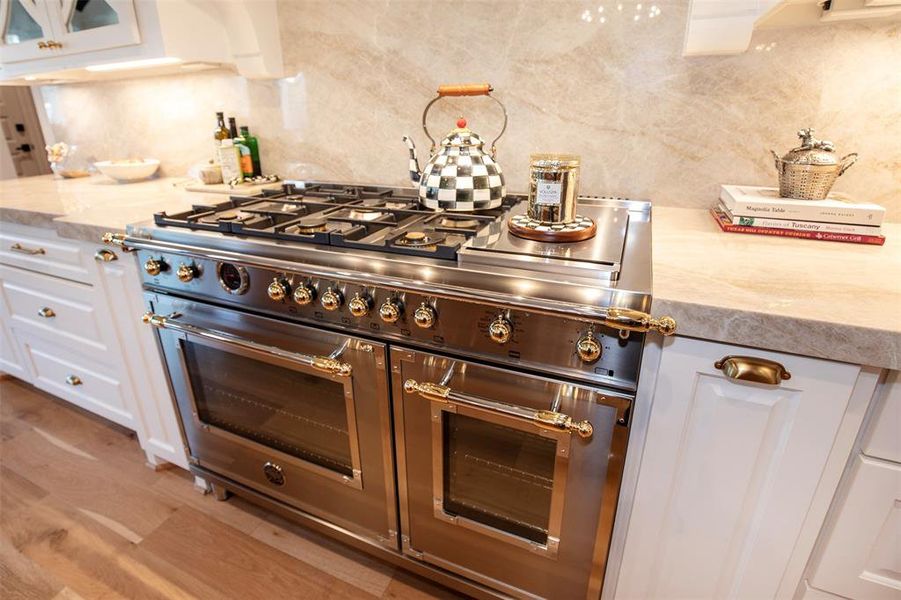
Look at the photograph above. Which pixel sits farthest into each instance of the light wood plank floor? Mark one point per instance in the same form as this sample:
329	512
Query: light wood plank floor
81	516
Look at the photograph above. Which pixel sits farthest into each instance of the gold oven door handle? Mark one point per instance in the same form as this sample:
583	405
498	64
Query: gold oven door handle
547	419
752	368
327	364
626	319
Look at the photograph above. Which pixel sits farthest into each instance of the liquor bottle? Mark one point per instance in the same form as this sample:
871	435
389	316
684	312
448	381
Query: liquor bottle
221	132
232	128
254	145
244	156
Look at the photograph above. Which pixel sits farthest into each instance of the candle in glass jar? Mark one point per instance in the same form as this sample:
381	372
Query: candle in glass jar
553	187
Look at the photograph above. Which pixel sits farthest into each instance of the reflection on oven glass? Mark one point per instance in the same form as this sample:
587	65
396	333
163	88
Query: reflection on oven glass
498	476
296	413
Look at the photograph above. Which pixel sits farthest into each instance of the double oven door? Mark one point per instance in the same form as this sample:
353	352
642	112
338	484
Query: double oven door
299	413
507	478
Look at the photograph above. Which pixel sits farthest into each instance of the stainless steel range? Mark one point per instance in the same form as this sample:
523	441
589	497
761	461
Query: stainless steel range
422	384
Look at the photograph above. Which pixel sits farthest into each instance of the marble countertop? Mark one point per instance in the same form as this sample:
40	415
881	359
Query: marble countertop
825	299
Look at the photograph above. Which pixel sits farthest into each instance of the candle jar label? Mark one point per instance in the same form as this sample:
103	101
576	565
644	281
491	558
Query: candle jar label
548	193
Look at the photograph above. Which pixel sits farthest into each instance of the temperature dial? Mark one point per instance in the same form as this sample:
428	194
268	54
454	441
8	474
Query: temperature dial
331	299
359	305
154	267
390	311
186	272
277	290
500	330
424	316
588	348
304	294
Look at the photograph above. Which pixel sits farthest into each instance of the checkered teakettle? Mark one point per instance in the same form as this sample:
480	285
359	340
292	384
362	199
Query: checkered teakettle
462	175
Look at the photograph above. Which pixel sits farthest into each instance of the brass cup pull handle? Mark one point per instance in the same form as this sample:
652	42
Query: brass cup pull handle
326	364
543	418
104	255
751	368
626	319
73	380
17	247
46	313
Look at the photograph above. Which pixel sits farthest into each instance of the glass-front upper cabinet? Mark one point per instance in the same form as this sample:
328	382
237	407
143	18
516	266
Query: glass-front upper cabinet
26	30
47	28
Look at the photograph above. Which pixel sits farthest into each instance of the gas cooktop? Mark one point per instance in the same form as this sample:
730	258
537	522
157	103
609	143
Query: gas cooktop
378	218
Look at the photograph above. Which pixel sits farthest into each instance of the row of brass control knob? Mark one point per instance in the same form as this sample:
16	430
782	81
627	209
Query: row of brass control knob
359	306
185	273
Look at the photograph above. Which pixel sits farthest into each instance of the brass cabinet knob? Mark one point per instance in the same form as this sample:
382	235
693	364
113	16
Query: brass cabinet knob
73	380
104	255
277	290
390	311
753	368
331	299
186	273
304	294
46	313
500	330
588	348
359	305
424	316
154	267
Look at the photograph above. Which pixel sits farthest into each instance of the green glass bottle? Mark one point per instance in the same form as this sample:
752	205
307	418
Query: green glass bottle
253	144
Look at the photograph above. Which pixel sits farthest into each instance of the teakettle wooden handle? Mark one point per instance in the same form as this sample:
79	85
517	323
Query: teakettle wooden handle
465	89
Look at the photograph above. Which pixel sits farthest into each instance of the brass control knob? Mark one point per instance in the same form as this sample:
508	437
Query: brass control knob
304	294
277	290
390	311
424	316
588	348
331	299
186	272
359	305
500	330
153	267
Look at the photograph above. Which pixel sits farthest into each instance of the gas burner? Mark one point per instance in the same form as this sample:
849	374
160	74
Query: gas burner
456	222
418	239
309	227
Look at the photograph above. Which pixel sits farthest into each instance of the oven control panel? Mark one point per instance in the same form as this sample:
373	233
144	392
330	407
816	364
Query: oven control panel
551	343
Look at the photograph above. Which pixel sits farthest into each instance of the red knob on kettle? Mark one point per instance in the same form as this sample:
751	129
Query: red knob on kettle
461	123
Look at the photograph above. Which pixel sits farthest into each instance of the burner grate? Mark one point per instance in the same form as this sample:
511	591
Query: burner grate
374	218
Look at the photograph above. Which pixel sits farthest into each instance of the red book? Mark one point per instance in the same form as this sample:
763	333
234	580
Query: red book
725	224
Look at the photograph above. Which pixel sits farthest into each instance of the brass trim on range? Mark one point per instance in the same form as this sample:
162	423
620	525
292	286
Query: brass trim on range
752	368
543	418
17	247
116	239
626	319
326	364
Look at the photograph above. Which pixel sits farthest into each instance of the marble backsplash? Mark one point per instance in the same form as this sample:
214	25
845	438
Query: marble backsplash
647	122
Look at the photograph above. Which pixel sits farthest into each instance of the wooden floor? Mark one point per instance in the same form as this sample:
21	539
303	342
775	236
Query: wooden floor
81	516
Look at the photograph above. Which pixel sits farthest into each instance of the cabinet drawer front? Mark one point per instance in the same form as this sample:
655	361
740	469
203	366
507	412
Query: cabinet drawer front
78	379
55	306
861	556
884	440
24	248
728	473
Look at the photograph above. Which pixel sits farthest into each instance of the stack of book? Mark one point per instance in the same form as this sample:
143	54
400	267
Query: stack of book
760	210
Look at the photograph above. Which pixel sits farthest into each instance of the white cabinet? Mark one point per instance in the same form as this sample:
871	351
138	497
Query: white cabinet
77	40
858	554
38	28
71	326
730	470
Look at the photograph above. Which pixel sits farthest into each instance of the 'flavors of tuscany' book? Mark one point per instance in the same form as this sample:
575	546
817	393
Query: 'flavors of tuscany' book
800	225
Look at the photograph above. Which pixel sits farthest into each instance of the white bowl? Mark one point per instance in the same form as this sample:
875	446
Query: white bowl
128	170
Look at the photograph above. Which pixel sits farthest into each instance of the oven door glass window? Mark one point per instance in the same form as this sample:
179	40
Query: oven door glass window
299	413
501	476
498	476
